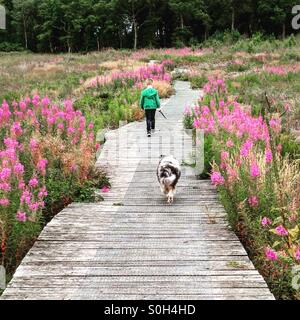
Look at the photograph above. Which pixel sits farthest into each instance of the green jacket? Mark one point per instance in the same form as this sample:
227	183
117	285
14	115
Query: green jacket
149	99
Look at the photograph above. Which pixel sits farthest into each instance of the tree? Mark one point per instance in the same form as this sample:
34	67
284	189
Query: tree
130	11
276	13
104	23
23	16
82	25
189	10
48	27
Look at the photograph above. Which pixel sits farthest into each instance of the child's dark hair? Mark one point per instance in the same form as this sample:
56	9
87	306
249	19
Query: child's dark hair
149	81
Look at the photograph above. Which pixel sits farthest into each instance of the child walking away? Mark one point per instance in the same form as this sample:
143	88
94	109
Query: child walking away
150	102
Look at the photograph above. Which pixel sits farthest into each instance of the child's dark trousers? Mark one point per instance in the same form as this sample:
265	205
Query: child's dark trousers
150	119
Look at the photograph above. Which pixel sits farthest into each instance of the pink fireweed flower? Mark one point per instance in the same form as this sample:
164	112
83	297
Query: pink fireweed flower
42	166
91	126
253	201
223	166
222	104
26	197
246	148
18	168
23	105
36	100
21	216
21	185
34	206
33	182
5	186
11	143
42	204
4	202
71	130
297	254
105	189
33	144
5	174
51	121
293	217
196	110
254	170
207	88
281	231
278	70
269	156
279	148
271	254
98	146
232	175
229	143
60	126
266	221
275	124
217	179
74	167
16	129
224	155
45	101
238	162
60	114
187	111
287	107
43	193
11	155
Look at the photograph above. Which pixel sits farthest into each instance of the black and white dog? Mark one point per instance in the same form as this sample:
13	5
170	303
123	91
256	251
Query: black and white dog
168	174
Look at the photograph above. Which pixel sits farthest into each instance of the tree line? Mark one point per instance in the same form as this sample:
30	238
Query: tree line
84	25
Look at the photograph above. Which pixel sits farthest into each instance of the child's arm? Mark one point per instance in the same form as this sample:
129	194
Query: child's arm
142	101
157	100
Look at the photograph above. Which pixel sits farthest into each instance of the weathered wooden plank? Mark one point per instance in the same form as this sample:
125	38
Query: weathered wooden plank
104	236
66	293
136	254
164	269
150	291
138	228
89	296
163	281
137	219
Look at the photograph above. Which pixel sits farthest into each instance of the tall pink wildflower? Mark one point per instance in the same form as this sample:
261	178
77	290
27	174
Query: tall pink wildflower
271	254
281	231
254	170
217	179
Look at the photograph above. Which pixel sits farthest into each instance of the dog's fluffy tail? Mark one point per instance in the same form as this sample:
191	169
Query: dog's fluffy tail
169	180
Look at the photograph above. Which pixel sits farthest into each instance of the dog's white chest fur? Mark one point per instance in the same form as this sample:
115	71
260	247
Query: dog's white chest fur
168	175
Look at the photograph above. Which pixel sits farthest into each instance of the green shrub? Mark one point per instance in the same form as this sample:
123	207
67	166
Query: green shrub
198	81
208	155
290	147
9	47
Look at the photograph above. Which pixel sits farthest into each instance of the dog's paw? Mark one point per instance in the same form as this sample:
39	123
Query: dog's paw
170	200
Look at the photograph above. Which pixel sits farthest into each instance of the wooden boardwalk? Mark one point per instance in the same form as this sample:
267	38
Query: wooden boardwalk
134	245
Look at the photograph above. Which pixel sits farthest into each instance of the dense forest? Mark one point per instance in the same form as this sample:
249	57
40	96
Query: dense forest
83	25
